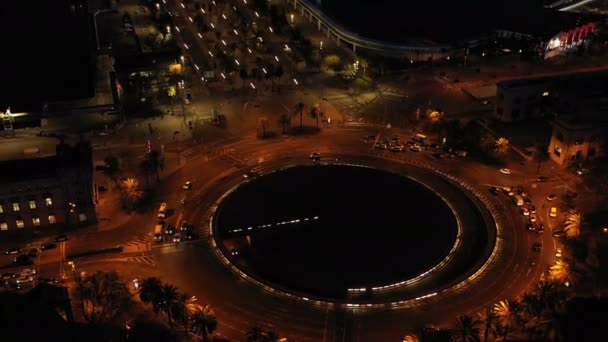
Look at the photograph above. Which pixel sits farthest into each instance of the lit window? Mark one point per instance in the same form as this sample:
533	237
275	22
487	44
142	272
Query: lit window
16	206
32	204
36	221
82	217
1	209
48	202
20	224
52	219
3	226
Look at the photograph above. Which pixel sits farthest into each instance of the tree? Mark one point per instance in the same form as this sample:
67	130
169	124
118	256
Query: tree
572	226
350	71
333	62
315	113
501	147
168	299
489	319
131	193
559	271
466	329
507	313
363	64
255	334
112	167
103	297
299	107
171	92
183	307
271	336
203	321
284	121
150	291
151	330
410	338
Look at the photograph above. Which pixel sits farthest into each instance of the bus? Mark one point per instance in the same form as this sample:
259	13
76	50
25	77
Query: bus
158	233
162	211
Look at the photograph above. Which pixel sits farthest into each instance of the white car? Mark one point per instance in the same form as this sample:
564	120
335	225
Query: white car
187	185
27	272
416	148
396	148
558	253
505	171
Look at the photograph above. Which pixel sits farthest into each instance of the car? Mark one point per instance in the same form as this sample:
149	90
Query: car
558	253
558	233
27	272
416	148
249	174
396	148
177	238
47	246
49	280
525	211
553	212
23	280
551	197
13	250
184	226
187	185
582	172
531	226
170	229
435	146
528	201
190	235
34	252
494	190
532	209
542	179
380	146
537	246
23	259
438	155
315	156
532	217
505	171
540	229
61	238
234	252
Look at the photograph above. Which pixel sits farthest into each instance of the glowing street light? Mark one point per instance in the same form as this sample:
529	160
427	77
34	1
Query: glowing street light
157	6
177	29
321	45
296	81
235	33
276	58
264	70
251	84
224	16
237	61
183	5
270	29
200	35
212	26
210	54
291	16
256	14
224	42
223	76
168	28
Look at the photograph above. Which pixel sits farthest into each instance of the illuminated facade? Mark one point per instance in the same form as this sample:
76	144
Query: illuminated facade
567	40
574	142
49	191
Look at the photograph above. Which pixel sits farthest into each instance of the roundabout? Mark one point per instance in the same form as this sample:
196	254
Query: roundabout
359	233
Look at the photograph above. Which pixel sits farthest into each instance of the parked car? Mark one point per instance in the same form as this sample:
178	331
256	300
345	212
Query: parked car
558	253
494	190
505	171
416	148
315	156
47	246
582	172
61	238
537	246
551	197
380	146
187	185
542	179
13	250
540	229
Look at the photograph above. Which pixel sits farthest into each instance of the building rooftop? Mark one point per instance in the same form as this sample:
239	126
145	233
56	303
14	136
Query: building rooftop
22	170
45	52
593	79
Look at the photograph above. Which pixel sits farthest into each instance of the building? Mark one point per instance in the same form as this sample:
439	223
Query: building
41	192
520	99
579	106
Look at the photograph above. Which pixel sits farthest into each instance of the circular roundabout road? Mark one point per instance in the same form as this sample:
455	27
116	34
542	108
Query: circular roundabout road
480	269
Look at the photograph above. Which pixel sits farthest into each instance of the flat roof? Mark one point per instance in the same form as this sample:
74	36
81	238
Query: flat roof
45	52
23	170
576	81
441	22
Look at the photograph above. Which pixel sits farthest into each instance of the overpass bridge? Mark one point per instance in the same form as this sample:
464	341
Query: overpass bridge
344	36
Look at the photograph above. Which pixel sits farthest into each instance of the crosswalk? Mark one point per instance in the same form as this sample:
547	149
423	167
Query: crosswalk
146	259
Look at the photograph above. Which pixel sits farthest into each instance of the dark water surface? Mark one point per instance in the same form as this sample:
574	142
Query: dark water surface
373	227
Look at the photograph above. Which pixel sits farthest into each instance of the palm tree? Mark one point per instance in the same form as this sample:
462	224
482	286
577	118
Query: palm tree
501	146
203	321
171	92
255	334
559	271
410	338
131	191
284	121
466	329
183	308
489	319
299	108
572	226
271	336
506	311
168	298
103	297
150	290
315	113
